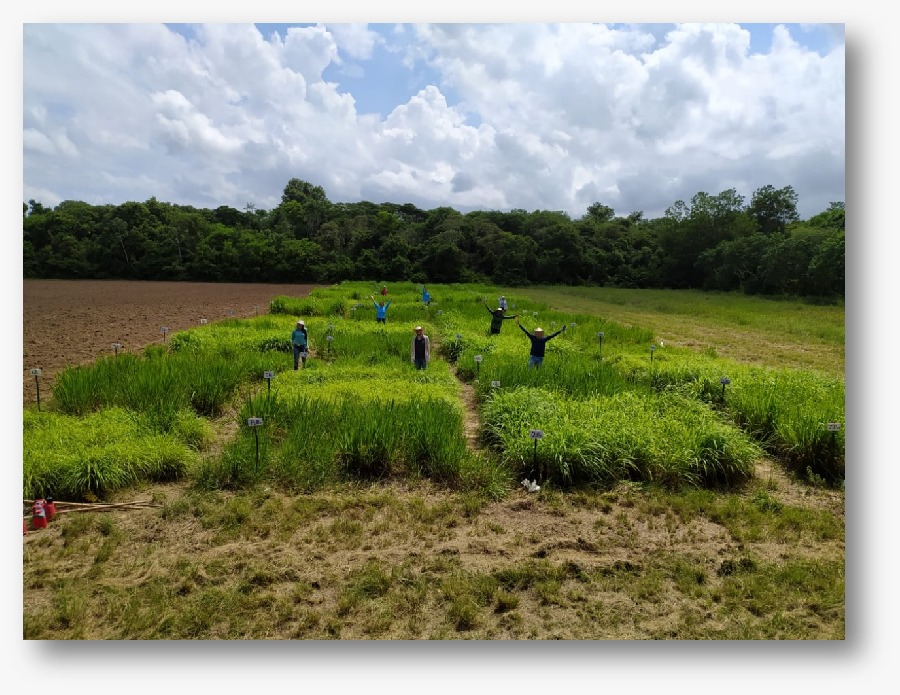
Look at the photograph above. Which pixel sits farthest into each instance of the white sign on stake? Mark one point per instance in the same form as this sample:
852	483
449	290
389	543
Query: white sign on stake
833	426
652	348
116	346
536	434
495	384
599	334
254	421
478	358
268	375
35	372
164	329
202	322
725	380
329	338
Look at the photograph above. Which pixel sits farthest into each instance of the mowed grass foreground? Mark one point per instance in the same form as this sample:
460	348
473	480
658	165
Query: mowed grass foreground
365	516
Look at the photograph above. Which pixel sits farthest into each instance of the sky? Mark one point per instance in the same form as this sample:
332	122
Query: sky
515	115
489	108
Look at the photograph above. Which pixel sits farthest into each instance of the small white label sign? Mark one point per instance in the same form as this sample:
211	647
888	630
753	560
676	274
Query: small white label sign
116	346
725	380
600	334
202	322
35	372
268	375
478	358
495	384
164	329
833	426
536	434
652	348
254	421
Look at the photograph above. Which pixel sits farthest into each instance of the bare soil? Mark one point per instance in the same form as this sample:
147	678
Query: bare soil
72	322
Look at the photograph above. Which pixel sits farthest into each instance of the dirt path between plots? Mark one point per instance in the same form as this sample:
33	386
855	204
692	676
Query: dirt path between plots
72	322
471	422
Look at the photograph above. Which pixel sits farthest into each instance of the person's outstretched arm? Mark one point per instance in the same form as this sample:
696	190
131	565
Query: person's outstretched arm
523	329
553	335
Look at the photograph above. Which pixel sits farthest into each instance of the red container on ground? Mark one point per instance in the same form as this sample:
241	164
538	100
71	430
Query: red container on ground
38	514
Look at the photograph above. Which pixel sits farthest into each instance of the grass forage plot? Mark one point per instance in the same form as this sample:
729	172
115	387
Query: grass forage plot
361	498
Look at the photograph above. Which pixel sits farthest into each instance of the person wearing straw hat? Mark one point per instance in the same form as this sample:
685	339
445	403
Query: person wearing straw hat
420	351
498	316
538	343
300	341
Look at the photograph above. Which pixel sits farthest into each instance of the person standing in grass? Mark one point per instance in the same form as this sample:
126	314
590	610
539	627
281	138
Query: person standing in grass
380	309
426	297
538	343
300	341
420	352
384	290
503	302
498	316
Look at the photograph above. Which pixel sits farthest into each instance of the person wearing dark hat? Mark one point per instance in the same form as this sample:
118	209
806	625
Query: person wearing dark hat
420	351
300	341
538	343
498	316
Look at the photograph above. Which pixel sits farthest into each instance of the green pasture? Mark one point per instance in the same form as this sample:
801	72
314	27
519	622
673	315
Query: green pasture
615	399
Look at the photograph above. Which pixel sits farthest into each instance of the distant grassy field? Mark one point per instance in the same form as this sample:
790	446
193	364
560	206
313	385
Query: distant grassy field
771	332
672	507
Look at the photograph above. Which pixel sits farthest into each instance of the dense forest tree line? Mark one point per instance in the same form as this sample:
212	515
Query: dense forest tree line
714	242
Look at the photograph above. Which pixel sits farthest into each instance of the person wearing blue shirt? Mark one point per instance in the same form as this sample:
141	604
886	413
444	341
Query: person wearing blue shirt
380	310
538	343
425	296
300	341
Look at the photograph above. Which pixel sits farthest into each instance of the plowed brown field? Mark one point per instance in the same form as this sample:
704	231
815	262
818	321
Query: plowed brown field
71	322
